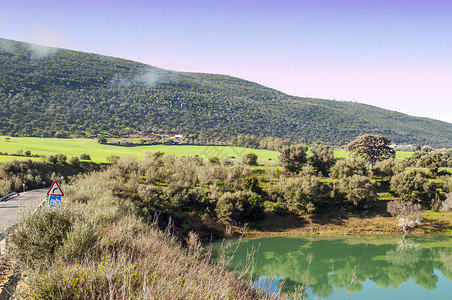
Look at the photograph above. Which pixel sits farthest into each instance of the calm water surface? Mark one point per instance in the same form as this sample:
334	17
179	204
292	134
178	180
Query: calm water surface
387	267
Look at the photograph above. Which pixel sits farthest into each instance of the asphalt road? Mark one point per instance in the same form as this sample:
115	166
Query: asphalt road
10	210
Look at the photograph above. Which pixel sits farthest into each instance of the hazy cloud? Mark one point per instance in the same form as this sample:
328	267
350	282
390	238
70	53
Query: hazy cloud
6	45
149	77
44	39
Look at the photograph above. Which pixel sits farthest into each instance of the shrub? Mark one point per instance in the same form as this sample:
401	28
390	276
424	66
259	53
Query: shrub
214	160
238	206
61	158
293	158
408	213
412	186
112	159
302	191
52	159
85	156
78	242
34	241
349	167
250	159
101	140
74	161
357	189
181	195
279	208
388	167
251	183
322	158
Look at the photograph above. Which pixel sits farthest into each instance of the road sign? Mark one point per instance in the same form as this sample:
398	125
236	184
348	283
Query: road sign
54	201
55	190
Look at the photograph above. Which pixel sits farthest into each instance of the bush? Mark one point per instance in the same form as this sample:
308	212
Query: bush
251	183
239	206
412	186
303	192
293	158
85	156
279	208
349	167
388	168
34	241
182	195
112	159
408	213
74	161
250	159
61	158
78	242
322	158
101	140
357	189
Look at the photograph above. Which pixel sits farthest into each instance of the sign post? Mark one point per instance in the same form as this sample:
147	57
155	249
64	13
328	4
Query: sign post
54	194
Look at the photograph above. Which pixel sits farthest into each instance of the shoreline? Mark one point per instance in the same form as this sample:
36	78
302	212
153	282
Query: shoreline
274	225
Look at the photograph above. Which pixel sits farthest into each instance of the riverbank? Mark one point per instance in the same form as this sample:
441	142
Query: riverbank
286	225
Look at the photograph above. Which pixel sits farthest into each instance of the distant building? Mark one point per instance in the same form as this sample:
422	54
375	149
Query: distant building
395	146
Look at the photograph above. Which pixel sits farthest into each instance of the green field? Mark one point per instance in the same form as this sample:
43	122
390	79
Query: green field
99	153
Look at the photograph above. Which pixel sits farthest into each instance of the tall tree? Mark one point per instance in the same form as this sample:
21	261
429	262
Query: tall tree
372	146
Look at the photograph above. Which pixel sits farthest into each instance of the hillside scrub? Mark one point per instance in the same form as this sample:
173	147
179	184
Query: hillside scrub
109	253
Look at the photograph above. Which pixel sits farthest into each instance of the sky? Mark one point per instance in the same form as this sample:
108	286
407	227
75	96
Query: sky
395	54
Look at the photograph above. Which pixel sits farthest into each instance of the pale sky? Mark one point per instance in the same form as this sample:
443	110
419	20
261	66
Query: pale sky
395	54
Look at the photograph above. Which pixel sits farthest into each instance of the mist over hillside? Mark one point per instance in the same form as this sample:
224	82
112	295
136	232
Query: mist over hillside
57	92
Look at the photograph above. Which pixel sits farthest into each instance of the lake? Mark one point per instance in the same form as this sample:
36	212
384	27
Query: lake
352	267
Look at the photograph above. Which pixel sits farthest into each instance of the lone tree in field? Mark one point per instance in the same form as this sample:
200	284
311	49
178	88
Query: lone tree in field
293	158
372	146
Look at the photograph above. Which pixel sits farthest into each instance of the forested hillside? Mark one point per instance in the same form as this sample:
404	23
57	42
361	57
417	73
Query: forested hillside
57	92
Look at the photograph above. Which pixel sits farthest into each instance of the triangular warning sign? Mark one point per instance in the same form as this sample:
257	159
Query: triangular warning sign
55	190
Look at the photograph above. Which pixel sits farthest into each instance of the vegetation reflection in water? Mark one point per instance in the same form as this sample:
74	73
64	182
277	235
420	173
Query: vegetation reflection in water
356	267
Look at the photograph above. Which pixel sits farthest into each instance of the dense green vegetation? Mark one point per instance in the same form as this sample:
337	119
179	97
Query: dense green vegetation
70	93
107	238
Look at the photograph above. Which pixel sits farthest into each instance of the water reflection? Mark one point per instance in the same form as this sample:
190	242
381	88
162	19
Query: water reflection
347	265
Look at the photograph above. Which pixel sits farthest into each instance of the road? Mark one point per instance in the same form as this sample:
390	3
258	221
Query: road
10	210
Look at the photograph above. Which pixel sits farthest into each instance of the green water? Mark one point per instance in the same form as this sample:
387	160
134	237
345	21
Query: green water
388	267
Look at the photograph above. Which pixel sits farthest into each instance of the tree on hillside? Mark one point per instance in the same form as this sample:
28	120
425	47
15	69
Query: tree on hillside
293	158
372	146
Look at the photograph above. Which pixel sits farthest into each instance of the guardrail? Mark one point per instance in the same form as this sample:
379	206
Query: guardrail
6	197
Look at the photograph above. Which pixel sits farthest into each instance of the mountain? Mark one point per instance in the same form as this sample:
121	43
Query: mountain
57	92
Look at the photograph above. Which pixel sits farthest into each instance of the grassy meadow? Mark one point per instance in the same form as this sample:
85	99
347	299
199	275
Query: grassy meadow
99	152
